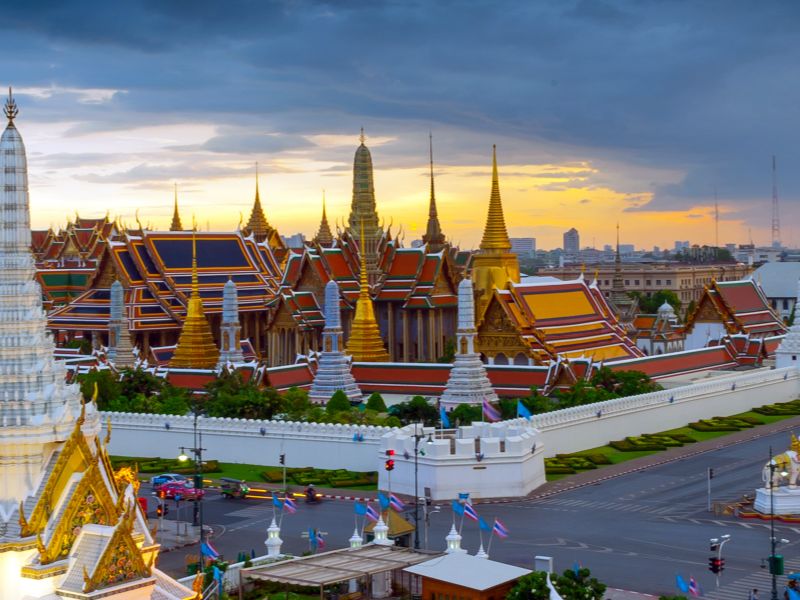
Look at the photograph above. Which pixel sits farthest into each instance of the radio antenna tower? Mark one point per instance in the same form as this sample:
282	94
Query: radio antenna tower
716	219
776	214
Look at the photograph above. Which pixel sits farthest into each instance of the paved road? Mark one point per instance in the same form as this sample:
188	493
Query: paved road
635	532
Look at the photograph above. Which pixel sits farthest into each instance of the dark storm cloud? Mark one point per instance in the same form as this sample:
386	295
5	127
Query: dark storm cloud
709	89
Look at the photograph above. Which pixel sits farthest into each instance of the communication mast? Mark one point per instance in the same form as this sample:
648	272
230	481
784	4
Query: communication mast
776	214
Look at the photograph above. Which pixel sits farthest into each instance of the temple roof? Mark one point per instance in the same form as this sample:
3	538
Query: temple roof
740	306
565	319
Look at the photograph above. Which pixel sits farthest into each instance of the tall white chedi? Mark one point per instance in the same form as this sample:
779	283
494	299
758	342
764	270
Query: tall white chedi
333	367
120	351
230	350
788	353
37	408
468	382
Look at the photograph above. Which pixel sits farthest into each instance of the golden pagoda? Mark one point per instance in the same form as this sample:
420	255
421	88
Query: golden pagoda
196	348
365	343
324	236
176	217
494	266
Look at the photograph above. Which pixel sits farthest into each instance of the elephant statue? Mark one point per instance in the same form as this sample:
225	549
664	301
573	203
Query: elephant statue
786	467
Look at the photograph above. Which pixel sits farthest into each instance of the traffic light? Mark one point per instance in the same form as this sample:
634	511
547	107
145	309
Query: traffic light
714	547
283	459
389	466
710	473
716	565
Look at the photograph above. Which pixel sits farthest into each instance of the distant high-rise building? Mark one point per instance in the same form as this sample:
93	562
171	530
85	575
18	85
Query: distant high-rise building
608	248
572	241
681	245
626	248
523	246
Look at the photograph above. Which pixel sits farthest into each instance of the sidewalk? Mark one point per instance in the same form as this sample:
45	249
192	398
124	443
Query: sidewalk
615	594
175	534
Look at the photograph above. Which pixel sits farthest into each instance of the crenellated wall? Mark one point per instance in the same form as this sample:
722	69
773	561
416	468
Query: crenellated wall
485	459
321	445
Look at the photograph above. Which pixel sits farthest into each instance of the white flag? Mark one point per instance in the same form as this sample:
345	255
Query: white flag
554	595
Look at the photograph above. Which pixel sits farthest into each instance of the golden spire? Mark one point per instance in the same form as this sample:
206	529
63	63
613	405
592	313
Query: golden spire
495	235
196	348
433	237
324	236
11	110
176	217
365	343
257	225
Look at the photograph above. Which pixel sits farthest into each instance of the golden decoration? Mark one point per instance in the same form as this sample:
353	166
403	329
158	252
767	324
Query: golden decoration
197	585
495	235
107	439
196	348
23	522
365	343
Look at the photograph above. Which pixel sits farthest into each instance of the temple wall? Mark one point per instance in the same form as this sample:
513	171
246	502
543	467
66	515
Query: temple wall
487	460
584	427
324	446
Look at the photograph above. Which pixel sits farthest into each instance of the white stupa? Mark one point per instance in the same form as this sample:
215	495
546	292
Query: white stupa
333	369
468	382
788	353
230	350
70	527
120	351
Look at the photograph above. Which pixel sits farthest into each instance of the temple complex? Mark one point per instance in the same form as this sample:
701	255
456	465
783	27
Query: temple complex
98	542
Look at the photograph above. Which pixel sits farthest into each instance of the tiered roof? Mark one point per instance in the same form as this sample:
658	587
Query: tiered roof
740	306
567	319
155	269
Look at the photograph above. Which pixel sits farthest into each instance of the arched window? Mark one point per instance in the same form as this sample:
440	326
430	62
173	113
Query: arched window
501	359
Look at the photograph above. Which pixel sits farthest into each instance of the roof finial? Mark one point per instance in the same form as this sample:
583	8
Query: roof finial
195	285
10	108
257	197
176	217
362	137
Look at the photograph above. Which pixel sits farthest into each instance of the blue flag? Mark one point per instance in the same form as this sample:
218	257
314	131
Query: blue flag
218	575
458	508
483	524
276	502
312	538
361	509
384	501
793	594
522	410
681	584
576	568
443	417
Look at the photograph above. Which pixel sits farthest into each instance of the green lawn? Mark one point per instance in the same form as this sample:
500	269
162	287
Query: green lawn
617	456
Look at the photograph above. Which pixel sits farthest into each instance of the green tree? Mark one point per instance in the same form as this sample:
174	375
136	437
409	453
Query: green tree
570	586
376	403
297	403
137	381
173	400
449	353
651	304
417	410
108	387
339	402
464	414
230	396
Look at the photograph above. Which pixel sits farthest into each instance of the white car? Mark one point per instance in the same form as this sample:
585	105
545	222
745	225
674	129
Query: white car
160	480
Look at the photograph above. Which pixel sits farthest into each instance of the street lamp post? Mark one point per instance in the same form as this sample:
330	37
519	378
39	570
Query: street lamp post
418	437
197	452
718	543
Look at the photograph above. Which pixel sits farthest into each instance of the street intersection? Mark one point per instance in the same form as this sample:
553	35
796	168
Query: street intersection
635	532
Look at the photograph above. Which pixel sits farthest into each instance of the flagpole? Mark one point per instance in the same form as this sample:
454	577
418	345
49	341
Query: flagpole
491	537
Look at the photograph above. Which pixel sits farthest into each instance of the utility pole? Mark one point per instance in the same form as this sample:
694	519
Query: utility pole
776	215
709	477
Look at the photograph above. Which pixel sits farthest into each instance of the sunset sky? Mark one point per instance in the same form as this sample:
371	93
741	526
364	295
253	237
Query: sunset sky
602	111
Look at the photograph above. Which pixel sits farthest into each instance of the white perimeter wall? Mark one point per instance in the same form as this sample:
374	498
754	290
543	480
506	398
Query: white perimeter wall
253	442
569	430
580	428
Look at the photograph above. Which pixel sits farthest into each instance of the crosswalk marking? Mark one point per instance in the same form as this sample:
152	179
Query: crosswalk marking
760	580
247	513
611	506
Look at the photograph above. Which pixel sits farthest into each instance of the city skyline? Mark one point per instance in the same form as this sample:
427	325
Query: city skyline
586	135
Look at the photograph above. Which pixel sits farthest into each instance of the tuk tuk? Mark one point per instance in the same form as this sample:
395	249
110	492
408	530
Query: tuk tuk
233	488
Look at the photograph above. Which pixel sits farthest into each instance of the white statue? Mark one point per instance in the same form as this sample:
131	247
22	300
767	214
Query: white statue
786	467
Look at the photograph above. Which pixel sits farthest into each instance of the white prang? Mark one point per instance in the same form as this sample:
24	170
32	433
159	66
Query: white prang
333	366
468	382
788	352
273	541
230	330
37	407
120	351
